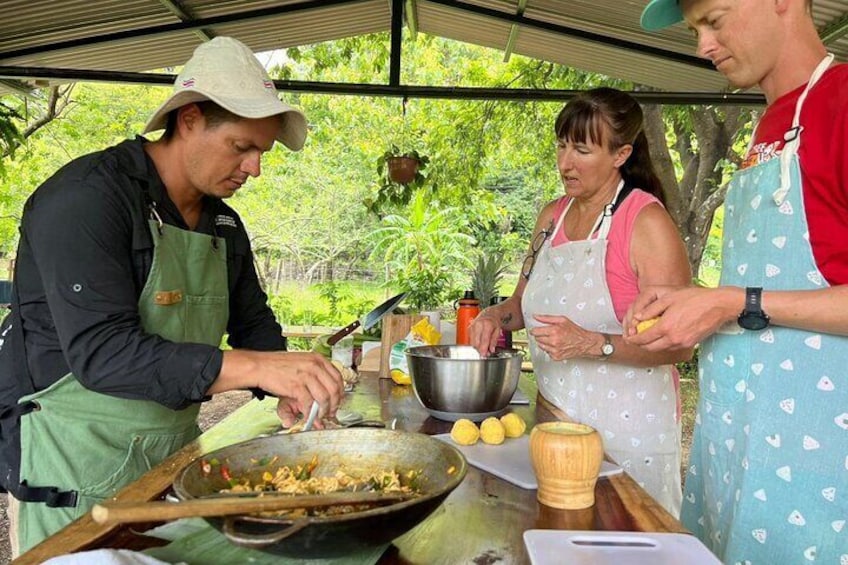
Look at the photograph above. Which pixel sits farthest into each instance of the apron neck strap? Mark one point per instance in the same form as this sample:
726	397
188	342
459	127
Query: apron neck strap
792	138
604	219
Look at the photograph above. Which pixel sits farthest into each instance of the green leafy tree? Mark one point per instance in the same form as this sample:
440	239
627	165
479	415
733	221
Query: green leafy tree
57	125
707	144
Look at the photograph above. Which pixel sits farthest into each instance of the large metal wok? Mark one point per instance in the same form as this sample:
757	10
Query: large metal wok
358	452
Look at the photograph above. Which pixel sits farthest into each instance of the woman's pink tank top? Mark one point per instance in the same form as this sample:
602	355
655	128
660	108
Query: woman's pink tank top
622	281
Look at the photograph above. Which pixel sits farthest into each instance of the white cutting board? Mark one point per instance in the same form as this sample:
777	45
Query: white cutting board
510	460
519	398
552	547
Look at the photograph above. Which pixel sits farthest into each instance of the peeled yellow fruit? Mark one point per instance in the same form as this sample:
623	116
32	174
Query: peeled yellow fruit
645	324
465	432
400	377
513	425
492	431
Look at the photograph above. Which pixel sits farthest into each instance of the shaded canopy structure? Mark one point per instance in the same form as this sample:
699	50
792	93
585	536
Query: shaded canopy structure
44	42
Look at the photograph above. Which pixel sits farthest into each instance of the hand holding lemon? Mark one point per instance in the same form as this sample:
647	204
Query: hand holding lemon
645	324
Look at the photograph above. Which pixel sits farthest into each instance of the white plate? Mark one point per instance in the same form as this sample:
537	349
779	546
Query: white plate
510	460
552	547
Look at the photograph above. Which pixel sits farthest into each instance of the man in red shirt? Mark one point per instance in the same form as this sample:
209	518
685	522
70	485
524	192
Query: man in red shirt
770	454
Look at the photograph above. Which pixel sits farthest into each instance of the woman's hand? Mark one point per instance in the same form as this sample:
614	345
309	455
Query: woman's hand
562	339
484	332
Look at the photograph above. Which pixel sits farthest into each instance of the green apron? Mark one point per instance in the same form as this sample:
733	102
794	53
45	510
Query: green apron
95	443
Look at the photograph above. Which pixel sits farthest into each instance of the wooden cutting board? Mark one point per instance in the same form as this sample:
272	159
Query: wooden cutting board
395	328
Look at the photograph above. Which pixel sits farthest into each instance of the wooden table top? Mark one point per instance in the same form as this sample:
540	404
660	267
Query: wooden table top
492	514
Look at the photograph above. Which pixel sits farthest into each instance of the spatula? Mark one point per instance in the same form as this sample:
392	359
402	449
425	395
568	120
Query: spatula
156	511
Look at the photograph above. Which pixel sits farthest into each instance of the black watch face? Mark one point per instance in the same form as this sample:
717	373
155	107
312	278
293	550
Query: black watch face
752	321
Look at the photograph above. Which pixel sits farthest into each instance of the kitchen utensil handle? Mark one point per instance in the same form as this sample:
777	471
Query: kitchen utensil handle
310	419
157	511
258	541
348	329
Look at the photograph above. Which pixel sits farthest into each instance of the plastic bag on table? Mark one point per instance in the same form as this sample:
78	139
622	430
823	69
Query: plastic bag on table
422	333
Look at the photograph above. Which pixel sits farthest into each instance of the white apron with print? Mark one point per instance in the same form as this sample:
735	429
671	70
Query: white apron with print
768	476
633	408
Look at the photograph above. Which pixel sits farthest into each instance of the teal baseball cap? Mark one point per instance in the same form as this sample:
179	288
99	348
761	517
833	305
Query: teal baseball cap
661	13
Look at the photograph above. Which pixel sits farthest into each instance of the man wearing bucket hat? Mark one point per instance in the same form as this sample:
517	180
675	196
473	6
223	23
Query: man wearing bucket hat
769	462
130	270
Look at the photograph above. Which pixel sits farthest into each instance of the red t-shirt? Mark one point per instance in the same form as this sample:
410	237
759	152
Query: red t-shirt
824	163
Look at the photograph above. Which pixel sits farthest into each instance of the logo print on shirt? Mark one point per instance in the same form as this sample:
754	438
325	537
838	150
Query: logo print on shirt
224	220
761	152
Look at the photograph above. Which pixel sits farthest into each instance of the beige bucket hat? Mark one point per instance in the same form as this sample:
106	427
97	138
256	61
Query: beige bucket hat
226	72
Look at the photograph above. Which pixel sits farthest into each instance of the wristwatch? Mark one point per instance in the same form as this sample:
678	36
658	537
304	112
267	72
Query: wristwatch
607	349
753	317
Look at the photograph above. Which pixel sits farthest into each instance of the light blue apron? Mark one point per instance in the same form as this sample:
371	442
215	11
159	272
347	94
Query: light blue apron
768	476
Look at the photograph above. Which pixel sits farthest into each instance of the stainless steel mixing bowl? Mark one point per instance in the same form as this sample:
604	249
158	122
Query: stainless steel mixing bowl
454	381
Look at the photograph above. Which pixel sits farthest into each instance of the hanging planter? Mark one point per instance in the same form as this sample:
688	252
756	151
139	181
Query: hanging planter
400	175
402	168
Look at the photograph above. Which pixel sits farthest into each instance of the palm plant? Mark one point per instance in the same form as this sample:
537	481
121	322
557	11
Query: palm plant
426	248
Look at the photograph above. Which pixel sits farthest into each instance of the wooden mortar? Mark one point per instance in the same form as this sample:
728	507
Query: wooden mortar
566	458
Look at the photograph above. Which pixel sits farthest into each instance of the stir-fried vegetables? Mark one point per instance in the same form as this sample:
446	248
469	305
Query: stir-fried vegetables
301	479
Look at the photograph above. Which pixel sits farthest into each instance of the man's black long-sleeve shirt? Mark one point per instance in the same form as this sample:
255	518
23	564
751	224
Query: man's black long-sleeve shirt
84	256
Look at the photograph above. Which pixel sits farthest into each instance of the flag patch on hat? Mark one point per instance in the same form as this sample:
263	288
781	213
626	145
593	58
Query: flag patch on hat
187	83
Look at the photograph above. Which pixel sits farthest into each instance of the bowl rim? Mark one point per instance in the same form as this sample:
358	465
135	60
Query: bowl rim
418	351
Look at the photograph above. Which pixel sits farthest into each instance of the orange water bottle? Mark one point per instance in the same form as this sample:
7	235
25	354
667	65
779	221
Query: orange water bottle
467	310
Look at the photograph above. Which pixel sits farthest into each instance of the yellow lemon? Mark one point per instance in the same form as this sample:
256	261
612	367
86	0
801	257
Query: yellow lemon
645	324
513	425
465	432
492	431
400	377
